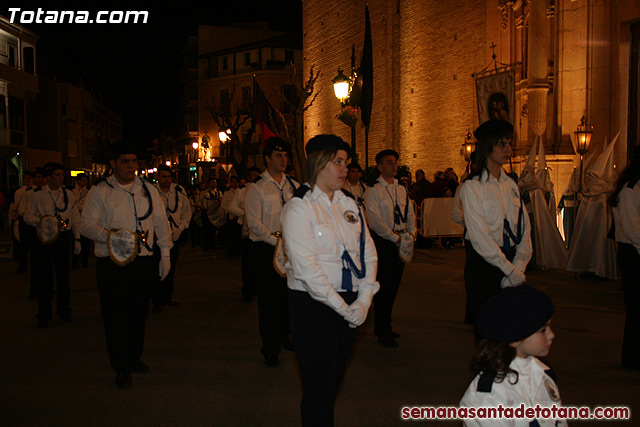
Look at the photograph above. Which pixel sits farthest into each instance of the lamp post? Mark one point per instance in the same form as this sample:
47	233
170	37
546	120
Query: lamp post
583	142
467	148
342	86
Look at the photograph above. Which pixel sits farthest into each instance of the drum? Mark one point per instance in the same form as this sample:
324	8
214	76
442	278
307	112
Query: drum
216	214
48	229
123	246
405	251
280	256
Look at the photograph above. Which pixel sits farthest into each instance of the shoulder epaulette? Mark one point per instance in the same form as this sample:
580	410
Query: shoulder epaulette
179	189
301	191
29	189
485	383
69	187
293	179
551	373
101	180
35	190
258	179
348	193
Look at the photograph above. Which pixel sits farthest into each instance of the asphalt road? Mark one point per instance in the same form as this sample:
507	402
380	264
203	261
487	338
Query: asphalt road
206	368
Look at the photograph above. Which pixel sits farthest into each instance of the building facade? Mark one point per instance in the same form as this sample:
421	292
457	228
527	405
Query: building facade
18	86
568	58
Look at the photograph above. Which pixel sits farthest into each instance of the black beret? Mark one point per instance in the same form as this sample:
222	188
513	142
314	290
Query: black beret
385	153
50	167
514	314
276	144
40	170
327	142
493	126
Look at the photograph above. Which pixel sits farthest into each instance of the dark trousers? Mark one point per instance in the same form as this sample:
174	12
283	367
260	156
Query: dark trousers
30	243
21	247
273	312
233	235
83	256
323	343
208	233
162	291
482	280
629	262
249	281
390	269
51	261
124	302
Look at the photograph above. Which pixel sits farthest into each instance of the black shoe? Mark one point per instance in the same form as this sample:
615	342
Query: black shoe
43	324
287	344
32	296
247	296
272	361
157	309
66	318
85	265
74	266
140	367
172	303
123	380
395	335
387	341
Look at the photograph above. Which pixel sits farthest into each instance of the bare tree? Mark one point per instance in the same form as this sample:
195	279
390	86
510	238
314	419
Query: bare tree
304	91
237	148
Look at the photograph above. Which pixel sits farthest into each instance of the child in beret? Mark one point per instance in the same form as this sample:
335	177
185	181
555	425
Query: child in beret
515	325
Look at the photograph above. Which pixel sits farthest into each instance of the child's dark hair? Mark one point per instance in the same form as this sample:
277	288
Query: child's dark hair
629	177
495	357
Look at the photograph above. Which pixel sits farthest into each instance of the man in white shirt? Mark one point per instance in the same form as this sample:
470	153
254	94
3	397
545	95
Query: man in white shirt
178	211
388	213
264	202
249	280
124	201
80	193
27	232
16	220
231	227
53	200
353	184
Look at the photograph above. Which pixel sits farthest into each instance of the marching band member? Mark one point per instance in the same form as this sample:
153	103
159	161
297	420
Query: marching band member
176	204
330	274
264	201
353	184
80	193
124	216
52	210
389	215
17	220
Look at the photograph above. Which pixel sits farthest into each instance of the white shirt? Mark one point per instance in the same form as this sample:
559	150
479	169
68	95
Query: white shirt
208	197
111	207
380	201
456	214
177	208
316	232
227	199
263	204
45	201
627	216
486	203
25	200
15	206
80	195
534	387
357	190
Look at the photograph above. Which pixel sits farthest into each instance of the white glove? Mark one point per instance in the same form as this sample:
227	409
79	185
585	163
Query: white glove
357	313
77	248
165	266
515	278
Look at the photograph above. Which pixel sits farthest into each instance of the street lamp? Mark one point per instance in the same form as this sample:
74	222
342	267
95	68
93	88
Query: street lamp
468	146
583	142
342	86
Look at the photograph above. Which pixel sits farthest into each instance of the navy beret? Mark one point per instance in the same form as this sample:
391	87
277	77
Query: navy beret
493	126
385	153
327	142
120	148
276	144
514	314
50	167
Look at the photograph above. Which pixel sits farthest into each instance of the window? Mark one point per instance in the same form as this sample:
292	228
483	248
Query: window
213	68
72	148
247	59
291	95
16	114
28	59
225	102
225	63
289	57
13	57
246	96
3	112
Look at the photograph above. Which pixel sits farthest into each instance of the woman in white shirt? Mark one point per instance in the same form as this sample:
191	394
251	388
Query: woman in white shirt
626	213
331	274
497	224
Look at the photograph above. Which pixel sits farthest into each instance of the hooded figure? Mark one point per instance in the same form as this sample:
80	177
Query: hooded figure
590	249
548	247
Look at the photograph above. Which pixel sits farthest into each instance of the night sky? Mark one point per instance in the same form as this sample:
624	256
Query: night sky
135	66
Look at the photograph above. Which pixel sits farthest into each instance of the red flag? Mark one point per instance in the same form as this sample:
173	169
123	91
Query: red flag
271	123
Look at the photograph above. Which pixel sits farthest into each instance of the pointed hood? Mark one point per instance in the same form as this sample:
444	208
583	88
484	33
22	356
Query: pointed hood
601	176
527	179
542	172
